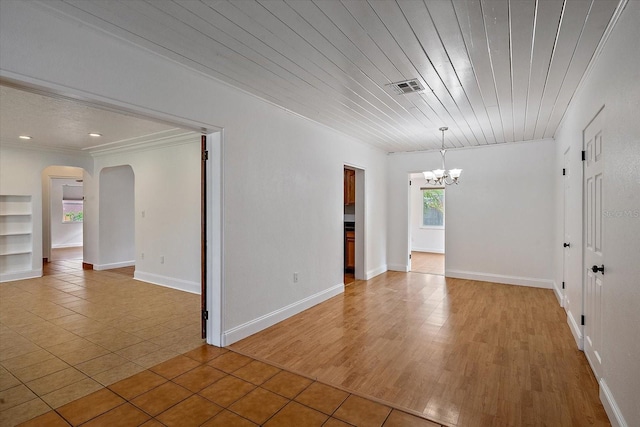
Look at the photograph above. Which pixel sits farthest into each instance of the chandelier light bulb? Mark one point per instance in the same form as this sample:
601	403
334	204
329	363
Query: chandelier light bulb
442	176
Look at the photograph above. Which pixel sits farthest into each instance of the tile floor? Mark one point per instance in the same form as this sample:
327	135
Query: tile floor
97	348
72	332
211	386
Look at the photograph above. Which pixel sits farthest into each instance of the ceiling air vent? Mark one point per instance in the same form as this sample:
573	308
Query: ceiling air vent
407	86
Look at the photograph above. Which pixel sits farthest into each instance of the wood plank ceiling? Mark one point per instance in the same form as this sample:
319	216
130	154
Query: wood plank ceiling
494	71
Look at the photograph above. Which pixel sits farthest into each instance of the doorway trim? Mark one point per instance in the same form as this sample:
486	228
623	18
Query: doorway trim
46	207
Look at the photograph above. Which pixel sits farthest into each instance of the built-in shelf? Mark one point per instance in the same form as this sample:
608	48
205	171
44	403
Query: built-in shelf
14	253
16	233
16	225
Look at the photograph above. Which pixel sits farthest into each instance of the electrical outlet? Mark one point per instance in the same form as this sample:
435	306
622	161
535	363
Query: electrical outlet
143	214
295	277
142	255
162	259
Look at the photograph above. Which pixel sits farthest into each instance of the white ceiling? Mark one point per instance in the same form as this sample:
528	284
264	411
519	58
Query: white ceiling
65	124
494	70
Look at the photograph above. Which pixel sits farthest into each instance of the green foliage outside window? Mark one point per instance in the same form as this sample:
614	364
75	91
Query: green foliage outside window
433	207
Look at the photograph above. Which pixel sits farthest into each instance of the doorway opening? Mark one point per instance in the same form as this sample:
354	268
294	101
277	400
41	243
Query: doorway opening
62	213
354	257
427	226
97	112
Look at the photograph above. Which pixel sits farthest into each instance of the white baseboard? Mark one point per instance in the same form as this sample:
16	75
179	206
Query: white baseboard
20	275
576	330
610	406
398	267
113	265
430	250
373	273
67	245
559	293
168	282
256	325
499	278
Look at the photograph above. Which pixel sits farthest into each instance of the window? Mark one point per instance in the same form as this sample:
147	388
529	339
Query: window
433	207
72	211
72	203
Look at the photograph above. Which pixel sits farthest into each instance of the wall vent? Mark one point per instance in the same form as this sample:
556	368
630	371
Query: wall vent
406	86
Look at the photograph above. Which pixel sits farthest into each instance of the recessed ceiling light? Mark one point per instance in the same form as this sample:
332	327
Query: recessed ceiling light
95	134
24	137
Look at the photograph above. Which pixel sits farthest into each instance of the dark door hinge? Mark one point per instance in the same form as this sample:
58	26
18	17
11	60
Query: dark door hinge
584	155
409	256
562	285
205	314
409	182
582	320
564	171
205	155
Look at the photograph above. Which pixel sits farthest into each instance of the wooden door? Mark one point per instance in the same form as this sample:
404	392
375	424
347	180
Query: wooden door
593	238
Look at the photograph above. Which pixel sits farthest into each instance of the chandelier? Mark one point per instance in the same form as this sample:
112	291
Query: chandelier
442	176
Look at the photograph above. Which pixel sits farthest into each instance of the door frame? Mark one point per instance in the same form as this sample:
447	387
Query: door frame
360	270
46	210
566	176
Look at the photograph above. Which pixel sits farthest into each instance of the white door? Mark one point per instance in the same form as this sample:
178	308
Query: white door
567	234
593	252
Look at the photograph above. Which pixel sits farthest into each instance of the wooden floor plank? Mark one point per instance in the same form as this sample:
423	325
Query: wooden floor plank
463	353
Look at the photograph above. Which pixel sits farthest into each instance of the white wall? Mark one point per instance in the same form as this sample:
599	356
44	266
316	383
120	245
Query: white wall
116	220
282	177
167	190
21	173
63	234
613	83
500	218
423	239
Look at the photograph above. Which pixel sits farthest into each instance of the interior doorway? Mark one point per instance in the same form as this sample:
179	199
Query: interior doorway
62	213
426	226
353	213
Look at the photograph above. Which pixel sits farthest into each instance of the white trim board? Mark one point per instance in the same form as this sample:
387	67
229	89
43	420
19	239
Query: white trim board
113	265
499	278
168	282
558	292
376	271
610	406
398	267
263	322
20	275
576	330
67	245
428	250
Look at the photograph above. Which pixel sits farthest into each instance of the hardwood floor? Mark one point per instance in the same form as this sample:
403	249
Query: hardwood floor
427	262
462	353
